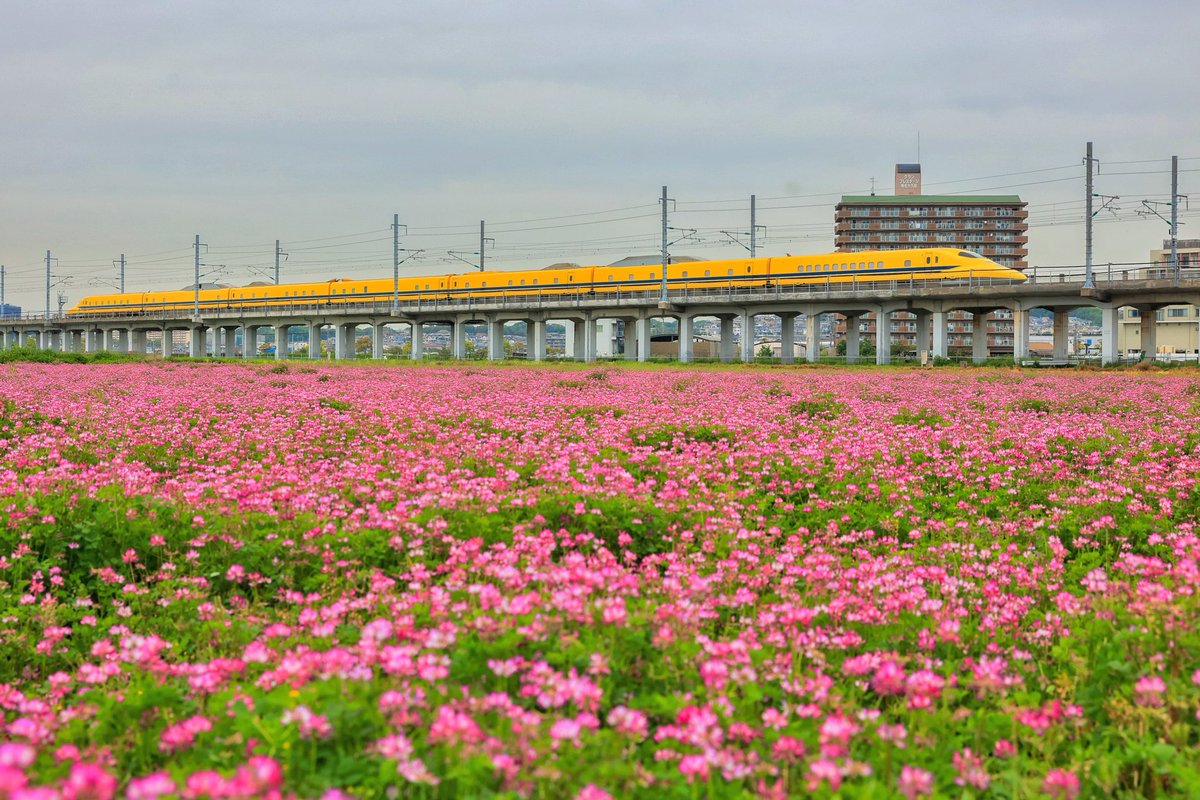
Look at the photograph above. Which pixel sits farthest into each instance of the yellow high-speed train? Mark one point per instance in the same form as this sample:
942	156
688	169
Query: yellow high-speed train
925	265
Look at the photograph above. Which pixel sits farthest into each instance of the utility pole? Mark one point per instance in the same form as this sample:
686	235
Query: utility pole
662	297
47	284
482	241
121	275
753	227
1175	218
1151	207
3	307
277	254
396	263
397	260
196	287
1088	281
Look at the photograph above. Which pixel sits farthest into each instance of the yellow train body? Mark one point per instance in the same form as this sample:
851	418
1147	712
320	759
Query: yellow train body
861	268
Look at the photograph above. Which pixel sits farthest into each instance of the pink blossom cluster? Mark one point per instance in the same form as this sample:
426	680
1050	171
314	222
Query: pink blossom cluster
610	582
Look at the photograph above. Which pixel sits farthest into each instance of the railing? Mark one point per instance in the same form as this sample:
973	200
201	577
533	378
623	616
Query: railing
709	293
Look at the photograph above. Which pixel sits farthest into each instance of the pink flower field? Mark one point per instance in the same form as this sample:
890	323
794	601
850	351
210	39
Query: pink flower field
231	581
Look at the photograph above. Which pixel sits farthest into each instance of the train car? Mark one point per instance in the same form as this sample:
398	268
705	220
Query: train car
946	265
487	284
109	303
866	266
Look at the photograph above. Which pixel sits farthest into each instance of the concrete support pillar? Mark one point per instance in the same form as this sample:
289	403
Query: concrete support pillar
343	341
726	349
458	339
853	338
576	334
281	342
495	340
1020	323
629	338
685	338
747	337
416	338
812	337
641	338
883	337
1060	334
137	342
979	334
569	339
787	338
46	340
377	331
1108	335
314	340
250	341
1148	327
535	340
196	339
590	336
921	340
941	347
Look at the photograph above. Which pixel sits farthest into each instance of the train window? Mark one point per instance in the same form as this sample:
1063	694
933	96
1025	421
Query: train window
926	259
556	280
483	284
747	268
535	283
907	263
510	283
631	276
651	276
862	265
684	273
706	273
935	259
610	277
730	272
522	281
571	278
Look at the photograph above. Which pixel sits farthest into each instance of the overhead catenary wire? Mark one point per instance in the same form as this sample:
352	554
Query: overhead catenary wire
357	252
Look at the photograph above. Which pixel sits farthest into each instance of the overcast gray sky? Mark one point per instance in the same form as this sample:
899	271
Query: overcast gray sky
132	126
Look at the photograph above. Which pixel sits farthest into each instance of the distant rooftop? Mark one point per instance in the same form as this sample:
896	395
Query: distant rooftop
957	199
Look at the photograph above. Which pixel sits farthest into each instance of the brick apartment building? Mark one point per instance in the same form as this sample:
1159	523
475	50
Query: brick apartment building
995	226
